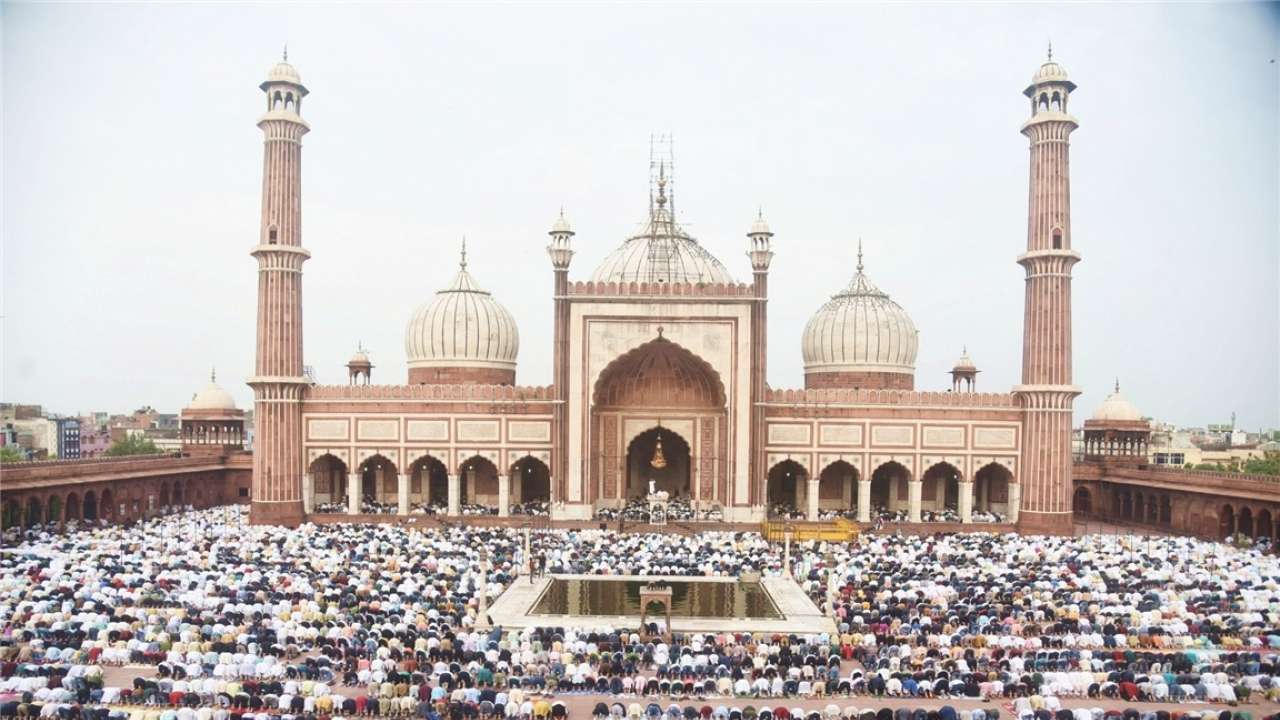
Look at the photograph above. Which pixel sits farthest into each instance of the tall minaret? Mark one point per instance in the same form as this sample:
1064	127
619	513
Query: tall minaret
760	251
1046	392
278	379
560	250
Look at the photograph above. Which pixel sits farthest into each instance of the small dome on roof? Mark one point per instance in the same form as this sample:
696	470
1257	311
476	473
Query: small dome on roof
284	72
360	358
212	397
760	227
1050	71
561	225
965	362
1116	407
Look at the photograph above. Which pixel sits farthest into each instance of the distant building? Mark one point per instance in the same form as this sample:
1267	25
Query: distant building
94	441
68	432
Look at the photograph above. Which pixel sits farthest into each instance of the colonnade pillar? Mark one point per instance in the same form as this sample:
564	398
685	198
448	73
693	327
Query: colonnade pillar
504	495
914	488
1015	501
455	496
308	493
402	494
811	498
864	500
966	501
353	493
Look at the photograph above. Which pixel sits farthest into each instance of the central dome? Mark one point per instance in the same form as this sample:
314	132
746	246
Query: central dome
662	252
463	336
860	338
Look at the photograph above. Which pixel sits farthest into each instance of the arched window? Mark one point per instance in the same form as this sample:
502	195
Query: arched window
1057	238
271	235
1057	102
1044	101
277	101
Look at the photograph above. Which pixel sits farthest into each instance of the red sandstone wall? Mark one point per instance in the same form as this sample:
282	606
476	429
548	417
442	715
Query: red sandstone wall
867	380
461	376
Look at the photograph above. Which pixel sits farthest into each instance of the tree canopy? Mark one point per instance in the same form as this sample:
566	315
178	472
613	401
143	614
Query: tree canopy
132	445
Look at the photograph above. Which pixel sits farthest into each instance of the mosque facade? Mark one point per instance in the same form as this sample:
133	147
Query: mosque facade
660	379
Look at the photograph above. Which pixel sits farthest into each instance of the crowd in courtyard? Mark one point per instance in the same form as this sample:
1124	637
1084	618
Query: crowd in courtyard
229	620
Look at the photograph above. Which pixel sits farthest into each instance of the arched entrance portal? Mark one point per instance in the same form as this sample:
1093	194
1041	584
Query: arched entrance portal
889	488
659	392
328	484
1081	502
428	484
530	483
784	491
662	456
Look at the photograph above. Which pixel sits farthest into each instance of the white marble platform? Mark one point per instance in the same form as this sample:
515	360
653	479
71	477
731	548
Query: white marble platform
513	609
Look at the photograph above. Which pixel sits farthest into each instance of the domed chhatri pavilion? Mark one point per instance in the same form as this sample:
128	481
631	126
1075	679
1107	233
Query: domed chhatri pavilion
661	353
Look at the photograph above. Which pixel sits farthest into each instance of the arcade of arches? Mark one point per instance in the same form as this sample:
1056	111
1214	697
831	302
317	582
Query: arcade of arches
1197	513
659	395
116	501
840	488
378	486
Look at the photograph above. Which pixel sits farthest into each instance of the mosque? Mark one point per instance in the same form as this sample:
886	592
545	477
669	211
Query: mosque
660	375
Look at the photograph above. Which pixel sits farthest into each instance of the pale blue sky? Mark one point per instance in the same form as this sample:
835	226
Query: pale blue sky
132	177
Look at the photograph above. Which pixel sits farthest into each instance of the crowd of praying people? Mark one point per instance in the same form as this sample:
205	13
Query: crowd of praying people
678	509
200	616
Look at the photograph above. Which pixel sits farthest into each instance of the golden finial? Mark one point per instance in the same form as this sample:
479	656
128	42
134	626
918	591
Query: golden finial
285	54
463	262
859	254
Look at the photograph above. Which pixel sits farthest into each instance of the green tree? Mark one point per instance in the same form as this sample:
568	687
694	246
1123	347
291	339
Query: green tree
1269	465
132	445
9	453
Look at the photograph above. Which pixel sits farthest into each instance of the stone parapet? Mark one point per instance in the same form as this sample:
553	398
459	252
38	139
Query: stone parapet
427	392
849	396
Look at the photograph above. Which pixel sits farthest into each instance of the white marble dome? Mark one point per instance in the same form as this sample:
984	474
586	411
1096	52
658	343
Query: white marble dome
462	326
662	252
284	72
860	330
212	397
1117	407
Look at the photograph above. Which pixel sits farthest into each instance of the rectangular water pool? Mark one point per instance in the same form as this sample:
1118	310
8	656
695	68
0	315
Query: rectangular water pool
689	598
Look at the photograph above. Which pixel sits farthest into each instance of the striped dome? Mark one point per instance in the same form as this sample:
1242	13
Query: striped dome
463	326
860	330
662	252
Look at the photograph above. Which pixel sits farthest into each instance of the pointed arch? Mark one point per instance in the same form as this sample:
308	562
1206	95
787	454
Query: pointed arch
478	481
35	512
1082	502
1226	521
328	475
889	486
531	481
164	494
73	507
378	482
659	373
940	487
991	488
786	481
1263	526
1244	521
90	508
12	515
428	482
838	486
53	513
